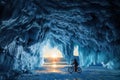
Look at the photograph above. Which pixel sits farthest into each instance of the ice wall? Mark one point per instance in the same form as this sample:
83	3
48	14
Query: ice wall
90	24
17	57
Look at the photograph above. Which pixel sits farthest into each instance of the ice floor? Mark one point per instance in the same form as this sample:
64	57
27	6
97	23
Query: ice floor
59	72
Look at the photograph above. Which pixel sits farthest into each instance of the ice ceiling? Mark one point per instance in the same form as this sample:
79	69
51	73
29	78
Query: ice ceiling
27	25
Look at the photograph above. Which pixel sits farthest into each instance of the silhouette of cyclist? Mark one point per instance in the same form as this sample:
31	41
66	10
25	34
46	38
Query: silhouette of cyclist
75	63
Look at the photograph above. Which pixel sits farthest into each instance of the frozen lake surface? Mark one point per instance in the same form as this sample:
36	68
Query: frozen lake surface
59	72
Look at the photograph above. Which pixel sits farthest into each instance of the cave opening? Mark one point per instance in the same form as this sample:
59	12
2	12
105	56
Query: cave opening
53	57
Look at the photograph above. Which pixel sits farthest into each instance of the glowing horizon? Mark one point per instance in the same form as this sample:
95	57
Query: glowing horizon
51	52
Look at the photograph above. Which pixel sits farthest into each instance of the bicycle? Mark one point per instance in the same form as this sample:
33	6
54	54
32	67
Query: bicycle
70	69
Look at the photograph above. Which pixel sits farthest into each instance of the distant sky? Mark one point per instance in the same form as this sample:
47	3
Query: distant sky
51	52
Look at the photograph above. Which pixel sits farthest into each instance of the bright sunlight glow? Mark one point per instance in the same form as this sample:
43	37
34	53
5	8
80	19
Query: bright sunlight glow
51	52
76	53
54	55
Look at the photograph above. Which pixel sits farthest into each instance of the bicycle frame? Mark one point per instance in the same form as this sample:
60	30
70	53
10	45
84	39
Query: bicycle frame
71	69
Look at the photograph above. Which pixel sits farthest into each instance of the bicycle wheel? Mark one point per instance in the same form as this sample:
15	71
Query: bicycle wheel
79	70
70	69
65	69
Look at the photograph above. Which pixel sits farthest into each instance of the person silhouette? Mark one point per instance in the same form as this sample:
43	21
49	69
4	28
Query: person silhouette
75	63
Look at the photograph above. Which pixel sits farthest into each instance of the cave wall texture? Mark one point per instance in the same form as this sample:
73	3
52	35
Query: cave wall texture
92	25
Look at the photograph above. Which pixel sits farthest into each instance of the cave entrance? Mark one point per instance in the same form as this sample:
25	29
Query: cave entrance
53	58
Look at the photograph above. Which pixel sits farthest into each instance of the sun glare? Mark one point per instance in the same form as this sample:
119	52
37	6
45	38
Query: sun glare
51	52
54	65
54	55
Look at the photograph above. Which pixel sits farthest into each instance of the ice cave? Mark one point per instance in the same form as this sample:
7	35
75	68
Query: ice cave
31	30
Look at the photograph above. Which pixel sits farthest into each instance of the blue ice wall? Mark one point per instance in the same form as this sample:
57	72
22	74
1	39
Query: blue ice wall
92	25
17	57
